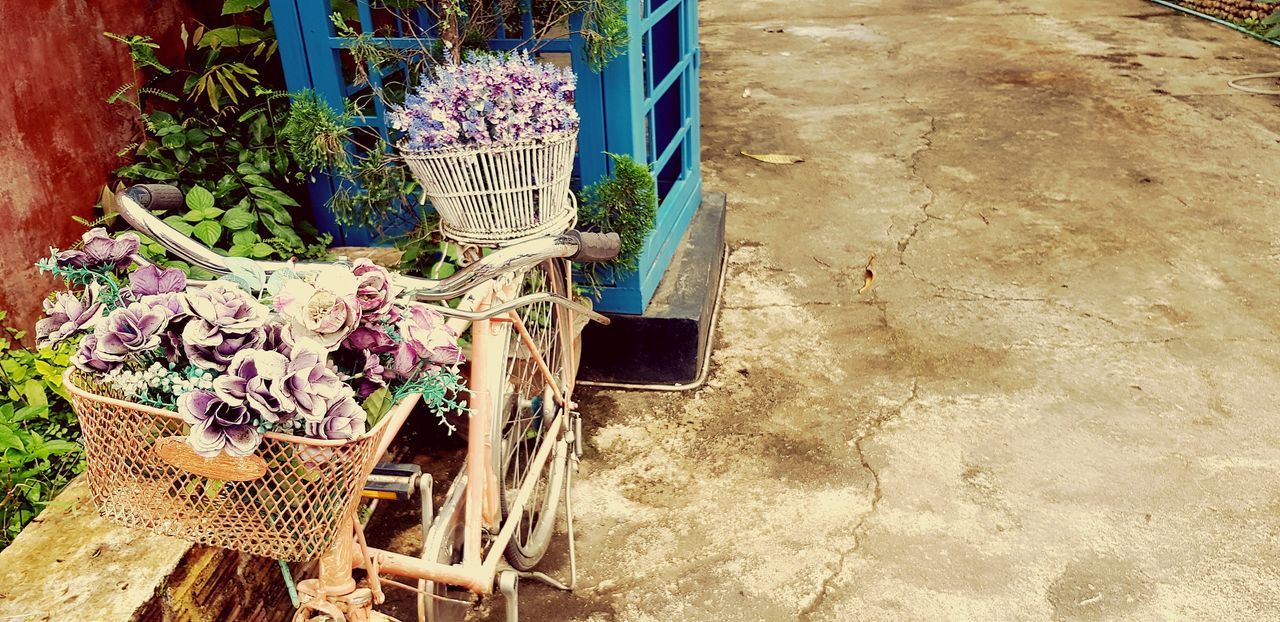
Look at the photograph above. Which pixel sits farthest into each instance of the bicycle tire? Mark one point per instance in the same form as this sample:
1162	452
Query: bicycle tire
527	404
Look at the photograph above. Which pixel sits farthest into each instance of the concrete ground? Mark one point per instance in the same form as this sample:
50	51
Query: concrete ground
1060	400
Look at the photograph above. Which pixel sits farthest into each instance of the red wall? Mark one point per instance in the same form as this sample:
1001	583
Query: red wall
58	138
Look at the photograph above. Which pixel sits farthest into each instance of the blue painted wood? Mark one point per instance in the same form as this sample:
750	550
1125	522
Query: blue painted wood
643	104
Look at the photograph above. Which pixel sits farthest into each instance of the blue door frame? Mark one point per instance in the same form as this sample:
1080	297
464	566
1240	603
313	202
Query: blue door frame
643	104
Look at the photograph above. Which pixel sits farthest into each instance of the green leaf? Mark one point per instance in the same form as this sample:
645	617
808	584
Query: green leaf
238	218
211	213
193	216
33	390
176	222
284	232
196	136
245	236
377	404
30	412
149	172
278	197
262	250
258	180
200	274
247	168
241	250
231	36
174	140
248	271
1274	18
231	7
276	281
208	231
56	447
199	199
9	439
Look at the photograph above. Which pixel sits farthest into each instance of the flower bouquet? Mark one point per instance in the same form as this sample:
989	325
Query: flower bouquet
244	412
492	141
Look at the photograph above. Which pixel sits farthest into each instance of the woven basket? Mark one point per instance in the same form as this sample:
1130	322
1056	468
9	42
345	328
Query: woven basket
501	194
292	512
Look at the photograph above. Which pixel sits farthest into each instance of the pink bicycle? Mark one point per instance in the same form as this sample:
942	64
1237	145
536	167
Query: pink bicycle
523	438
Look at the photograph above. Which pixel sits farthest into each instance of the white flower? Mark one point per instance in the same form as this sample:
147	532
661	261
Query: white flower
323	309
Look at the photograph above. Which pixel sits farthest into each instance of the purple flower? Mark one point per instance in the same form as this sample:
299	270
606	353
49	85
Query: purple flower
343	420
217	426
374	291
255	380
373	375
66	314
101	250
371	337
427	342
487	99
171	302
224	320
130	330
226	308
86	358
208	347
311	384
150	280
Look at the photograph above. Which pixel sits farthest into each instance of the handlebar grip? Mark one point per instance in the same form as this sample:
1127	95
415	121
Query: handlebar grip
595	246
155	197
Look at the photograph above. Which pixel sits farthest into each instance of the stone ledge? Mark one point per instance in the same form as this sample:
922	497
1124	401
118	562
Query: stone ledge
72	564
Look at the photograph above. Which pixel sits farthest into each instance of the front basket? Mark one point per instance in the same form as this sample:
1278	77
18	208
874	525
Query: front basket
292	512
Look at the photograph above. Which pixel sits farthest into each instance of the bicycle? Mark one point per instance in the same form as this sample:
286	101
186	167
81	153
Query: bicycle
522	429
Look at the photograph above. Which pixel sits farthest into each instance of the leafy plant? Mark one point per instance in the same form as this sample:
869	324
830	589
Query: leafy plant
38	430
373	190
213	126
626	203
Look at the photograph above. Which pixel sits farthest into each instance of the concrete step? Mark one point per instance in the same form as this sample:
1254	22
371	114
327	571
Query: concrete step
667	343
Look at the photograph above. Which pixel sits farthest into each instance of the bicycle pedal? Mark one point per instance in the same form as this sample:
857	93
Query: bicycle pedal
395	482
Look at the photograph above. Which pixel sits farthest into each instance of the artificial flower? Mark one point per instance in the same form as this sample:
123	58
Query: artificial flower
100	250
151	280
216	426
130	330
66	314
323	308
255	379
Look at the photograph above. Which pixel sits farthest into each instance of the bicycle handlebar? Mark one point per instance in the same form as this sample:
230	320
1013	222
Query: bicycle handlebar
135	203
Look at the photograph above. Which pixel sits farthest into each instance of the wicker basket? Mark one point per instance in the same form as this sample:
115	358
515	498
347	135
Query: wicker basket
496	195
292	512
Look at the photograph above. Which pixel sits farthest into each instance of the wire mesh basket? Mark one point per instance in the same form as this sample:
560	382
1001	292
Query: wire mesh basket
494	195
292	512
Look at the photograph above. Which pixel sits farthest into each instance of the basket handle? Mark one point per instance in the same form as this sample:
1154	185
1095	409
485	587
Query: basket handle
175	451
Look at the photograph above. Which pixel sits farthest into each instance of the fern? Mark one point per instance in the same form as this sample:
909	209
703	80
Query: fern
118	95
161	93
142	50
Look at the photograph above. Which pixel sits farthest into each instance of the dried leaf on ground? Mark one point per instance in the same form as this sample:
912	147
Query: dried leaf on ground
774	158
869	275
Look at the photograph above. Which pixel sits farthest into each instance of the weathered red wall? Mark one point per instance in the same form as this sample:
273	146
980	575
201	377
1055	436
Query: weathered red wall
58	138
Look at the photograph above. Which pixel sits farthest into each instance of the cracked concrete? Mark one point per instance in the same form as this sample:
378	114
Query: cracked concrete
1059	399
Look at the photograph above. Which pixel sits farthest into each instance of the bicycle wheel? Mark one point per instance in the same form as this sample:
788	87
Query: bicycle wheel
527	408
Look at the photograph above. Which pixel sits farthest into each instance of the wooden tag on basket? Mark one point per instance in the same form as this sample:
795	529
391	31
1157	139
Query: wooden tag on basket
175	450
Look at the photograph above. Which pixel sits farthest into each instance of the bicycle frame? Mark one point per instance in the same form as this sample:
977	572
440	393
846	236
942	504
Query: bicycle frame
335	589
